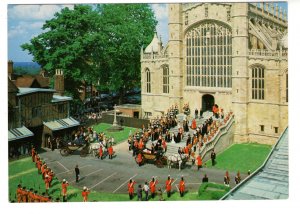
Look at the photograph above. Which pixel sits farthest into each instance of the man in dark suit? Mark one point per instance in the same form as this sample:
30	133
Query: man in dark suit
77	172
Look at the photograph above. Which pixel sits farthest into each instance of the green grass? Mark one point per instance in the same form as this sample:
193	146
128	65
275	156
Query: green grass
212	191
31	179
242	157
118	136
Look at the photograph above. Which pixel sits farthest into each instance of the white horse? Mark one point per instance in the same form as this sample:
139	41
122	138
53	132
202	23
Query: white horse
177	159
94	148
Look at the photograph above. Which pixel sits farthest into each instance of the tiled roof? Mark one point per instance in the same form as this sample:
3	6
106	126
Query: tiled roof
24	81
271	181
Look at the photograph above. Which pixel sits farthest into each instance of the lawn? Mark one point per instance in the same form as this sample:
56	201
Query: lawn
212	191
24	172
118	136
242	157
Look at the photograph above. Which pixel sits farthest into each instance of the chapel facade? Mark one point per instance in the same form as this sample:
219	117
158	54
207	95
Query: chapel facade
231	54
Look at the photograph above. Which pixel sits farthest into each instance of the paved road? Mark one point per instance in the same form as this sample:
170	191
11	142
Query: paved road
112	175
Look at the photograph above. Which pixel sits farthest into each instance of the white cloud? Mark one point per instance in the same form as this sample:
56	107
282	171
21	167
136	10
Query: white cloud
34	12
15	31
160	10
23	28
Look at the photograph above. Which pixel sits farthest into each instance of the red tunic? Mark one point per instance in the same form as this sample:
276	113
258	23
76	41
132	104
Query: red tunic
110	150
100	152
85	195
181	186
152	185
64	188
169	185
19	194
131	187
139	158
199	161
33	154
194	125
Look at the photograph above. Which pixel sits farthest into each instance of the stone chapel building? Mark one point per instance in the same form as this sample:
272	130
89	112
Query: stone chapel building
231	54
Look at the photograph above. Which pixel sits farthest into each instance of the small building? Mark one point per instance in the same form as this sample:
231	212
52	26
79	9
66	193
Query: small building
35	114
130	110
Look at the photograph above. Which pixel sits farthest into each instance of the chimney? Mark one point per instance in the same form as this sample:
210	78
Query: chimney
10	69
59	83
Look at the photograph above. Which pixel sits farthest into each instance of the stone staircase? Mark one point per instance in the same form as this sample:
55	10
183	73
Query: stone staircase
172	148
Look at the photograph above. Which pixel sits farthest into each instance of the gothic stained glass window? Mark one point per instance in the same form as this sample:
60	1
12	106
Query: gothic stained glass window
209	55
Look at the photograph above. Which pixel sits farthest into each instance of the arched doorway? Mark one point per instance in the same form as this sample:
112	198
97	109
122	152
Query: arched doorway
207	102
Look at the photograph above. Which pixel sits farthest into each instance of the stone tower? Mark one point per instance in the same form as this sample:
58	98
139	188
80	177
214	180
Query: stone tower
175	54
240	69
59	83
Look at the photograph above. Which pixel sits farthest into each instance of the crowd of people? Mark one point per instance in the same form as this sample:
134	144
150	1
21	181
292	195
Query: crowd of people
152	189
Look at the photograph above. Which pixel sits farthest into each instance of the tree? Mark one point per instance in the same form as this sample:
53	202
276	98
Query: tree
96	45
128	27
70	42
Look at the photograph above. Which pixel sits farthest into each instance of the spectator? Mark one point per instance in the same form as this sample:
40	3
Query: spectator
160	194
146	190
205	179
140	192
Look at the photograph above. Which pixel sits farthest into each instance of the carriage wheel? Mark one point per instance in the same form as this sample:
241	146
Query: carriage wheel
64	151
164	160
159	163
83	152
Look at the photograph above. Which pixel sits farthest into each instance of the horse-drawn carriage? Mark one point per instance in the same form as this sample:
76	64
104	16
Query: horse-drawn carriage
157	158
70	147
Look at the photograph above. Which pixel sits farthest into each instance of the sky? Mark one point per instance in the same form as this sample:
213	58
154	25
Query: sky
26	21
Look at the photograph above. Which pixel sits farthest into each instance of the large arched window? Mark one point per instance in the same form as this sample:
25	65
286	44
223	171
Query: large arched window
148	81
258	83
209	55
165	79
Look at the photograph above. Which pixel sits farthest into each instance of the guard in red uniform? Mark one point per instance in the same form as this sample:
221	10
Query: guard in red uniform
181	186
33	153
141	145
85	192
139	159
100	153
24	194
64	187
31	195
130	186
169	186
152	185
164	145
199	162
47	183
19	193
110	152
